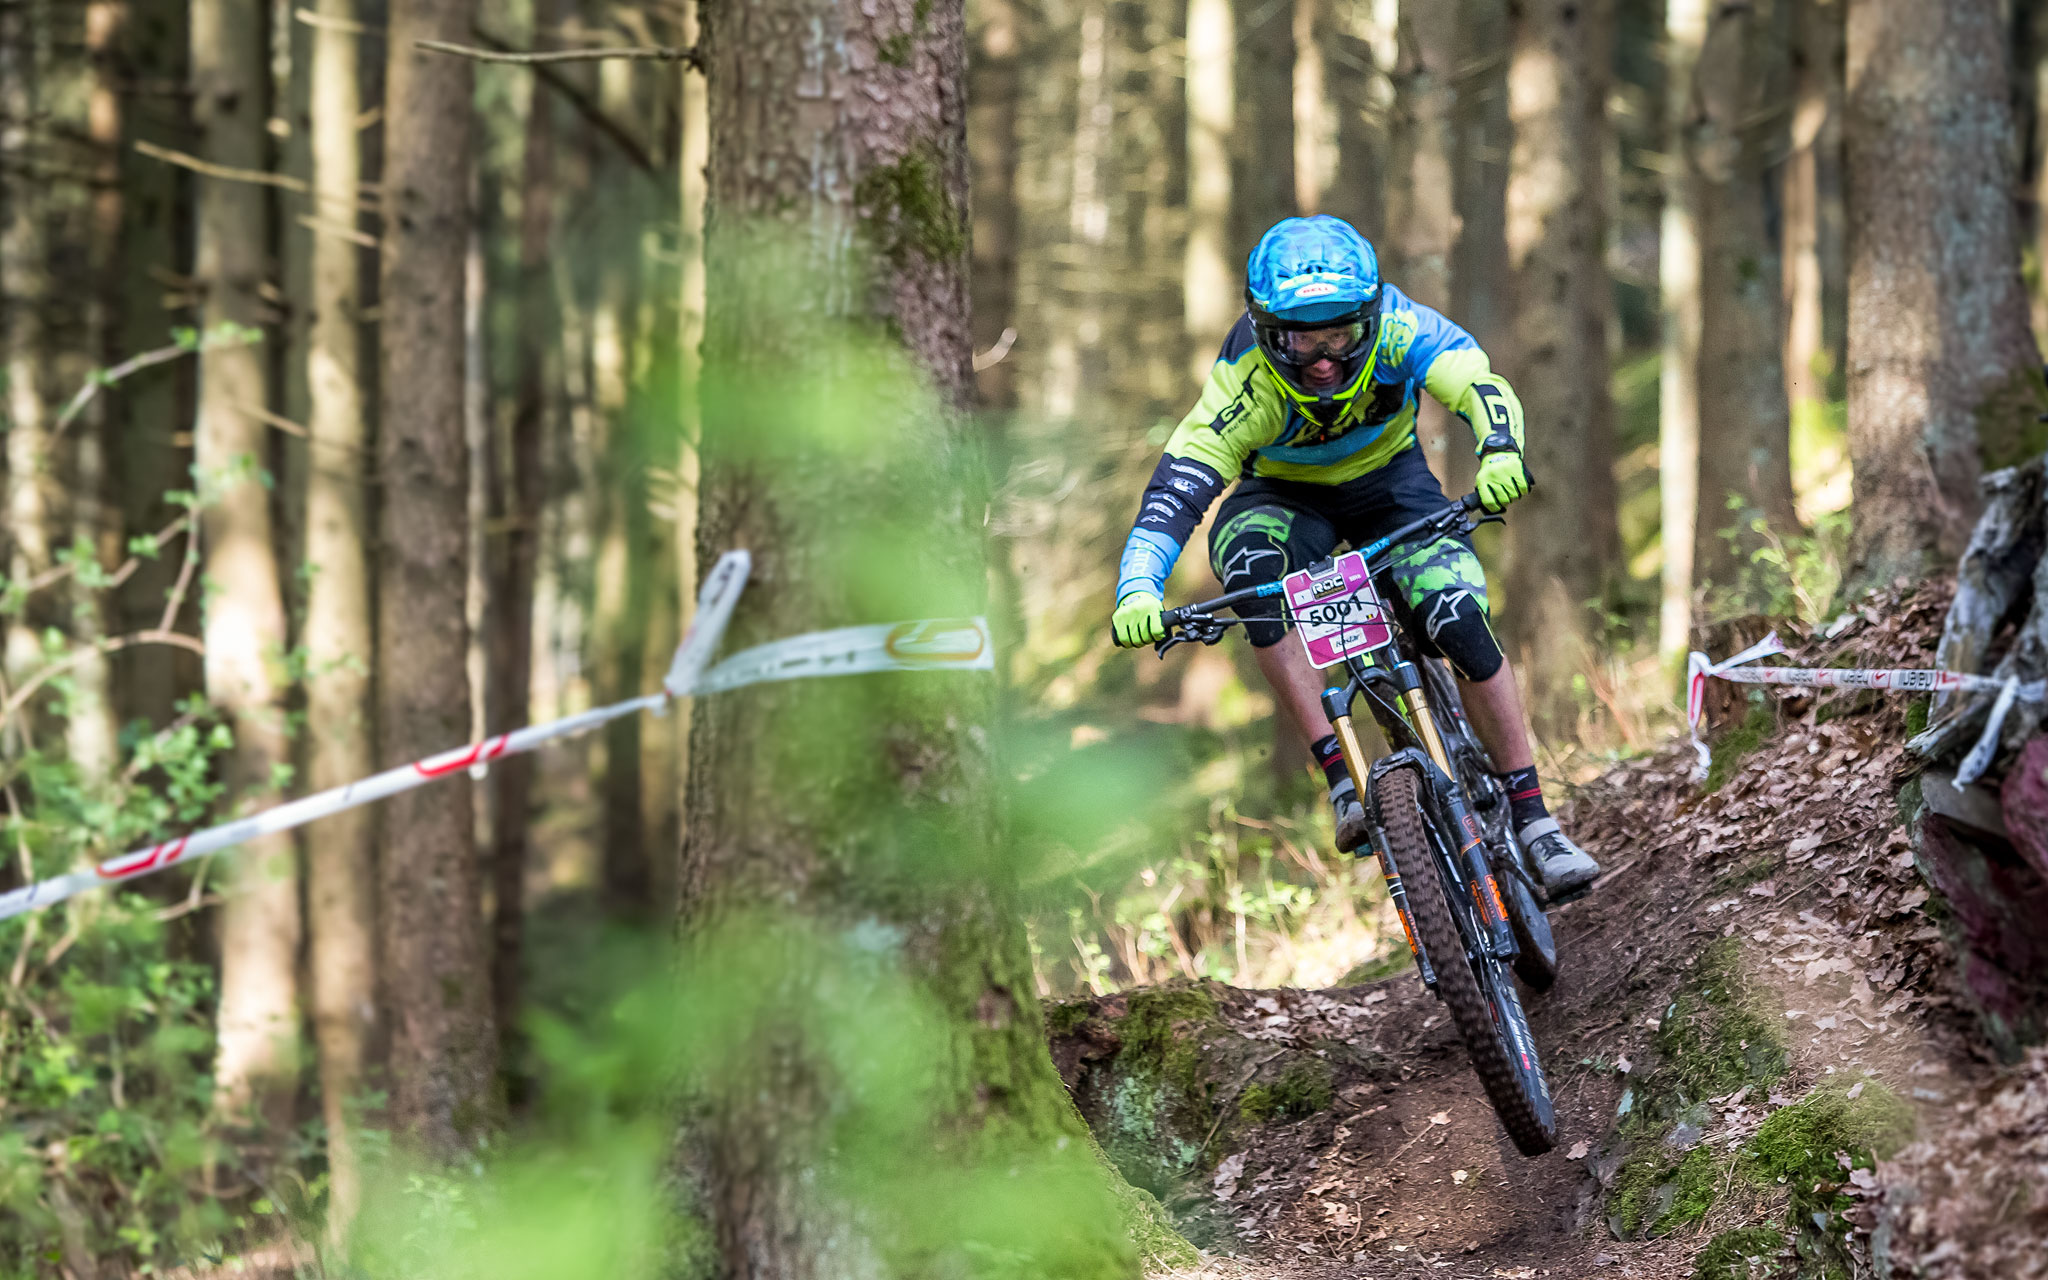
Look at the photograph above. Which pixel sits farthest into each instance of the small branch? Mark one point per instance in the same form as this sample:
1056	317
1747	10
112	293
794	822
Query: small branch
19	698
343	231
322	22
176	600
269	419
229	173
50	577
136	364
585	105
538	58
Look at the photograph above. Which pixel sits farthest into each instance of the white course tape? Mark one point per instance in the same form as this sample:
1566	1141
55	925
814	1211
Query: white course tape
1909	679
957	644
948	644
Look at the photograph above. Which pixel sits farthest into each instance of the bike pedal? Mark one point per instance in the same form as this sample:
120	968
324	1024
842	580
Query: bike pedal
1568	896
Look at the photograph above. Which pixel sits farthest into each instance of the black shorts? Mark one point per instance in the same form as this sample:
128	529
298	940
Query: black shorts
1267	529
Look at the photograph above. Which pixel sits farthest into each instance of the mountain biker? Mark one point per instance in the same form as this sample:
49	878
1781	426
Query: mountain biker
1311	409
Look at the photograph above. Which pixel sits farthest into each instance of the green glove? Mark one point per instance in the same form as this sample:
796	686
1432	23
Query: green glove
1502	479
1138	619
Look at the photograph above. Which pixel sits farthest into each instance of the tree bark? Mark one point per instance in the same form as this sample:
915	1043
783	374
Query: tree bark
153	410
526	485
341	867
1678	287
996	98
1210	298
1481	142
1262	156
838	177
1564	542
1735	133
244	627
1816	100
443	1049
1944	375
1422	218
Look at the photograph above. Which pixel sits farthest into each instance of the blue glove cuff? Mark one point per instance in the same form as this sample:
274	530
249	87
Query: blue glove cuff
1147	561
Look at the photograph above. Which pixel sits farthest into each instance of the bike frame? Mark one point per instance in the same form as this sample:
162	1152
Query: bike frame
1401	705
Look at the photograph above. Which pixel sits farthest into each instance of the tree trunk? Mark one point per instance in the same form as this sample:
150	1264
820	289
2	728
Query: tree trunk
1944	375
1262	136
996	97
1816	98
341	866
1481	142
154	408
1564	543
1678	287
1735	133
1362	40
1210	283
526	485
443	1050
838	171
244	611
1422	220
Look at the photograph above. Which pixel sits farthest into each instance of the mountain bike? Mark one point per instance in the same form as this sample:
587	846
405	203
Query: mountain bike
1467	894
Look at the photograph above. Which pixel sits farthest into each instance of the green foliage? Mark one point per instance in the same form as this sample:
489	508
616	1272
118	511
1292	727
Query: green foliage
1784	573
1655	1194
1797	1144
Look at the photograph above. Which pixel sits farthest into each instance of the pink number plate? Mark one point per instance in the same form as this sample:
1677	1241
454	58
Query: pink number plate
1336	612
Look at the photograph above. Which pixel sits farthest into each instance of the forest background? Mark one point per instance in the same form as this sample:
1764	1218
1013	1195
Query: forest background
332	443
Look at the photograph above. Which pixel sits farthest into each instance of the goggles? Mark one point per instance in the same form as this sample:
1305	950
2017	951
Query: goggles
1304	347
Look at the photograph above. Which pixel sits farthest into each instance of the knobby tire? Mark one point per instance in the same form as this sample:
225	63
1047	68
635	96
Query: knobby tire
1533	1128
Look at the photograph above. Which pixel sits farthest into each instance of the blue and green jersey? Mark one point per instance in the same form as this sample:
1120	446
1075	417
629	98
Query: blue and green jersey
1244	425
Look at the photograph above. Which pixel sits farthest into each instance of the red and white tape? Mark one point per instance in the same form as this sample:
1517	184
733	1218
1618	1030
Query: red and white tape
944	644
1699	669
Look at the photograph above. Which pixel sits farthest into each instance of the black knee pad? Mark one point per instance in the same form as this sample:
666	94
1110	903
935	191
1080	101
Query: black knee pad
1251	548
1453	625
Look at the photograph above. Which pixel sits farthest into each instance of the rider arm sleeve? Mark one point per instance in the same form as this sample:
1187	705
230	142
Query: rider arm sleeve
1465	382
1211	444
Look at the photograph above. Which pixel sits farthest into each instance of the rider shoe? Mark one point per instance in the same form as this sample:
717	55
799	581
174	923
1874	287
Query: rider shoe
1350	816
1568	871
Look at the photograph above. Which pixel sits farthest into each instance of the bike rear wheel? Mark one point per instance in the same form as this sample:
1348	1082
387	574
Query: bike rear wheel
1477	990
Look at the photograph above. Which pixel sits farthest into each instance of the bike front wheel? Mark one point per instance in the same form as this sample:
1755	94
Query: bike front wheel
1475	987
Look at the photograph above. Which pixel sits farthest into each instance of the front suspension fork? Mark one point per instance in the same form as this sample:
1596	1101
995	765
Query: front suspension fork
1471	855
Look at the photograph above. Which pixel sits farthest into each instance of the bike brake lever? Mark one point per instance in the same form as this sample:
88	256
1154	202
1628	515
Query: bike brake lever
1161	646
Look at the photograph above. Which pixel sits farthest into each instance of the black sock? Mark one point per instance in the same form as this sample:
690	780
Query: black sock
1525	795
1330	755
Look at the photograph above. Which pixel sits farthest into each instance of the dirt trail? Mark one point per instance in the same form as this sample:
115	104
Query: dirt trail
1797	875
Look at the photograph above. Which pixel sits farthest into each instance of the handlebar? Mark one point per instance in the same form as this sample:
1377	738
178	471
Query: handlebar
1199	617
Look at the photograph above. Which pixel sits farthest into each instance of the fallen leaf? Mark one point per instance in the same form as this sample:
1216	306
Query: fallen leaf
1578	1152
1459	1175
1440	1117
1623	1065
1825	1024
1856	1090
1227	1174
1764	889
1375	997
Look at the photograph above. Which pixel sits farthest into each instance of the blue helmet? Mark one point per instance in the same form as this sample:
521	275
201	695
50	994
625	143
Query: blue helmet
1313	292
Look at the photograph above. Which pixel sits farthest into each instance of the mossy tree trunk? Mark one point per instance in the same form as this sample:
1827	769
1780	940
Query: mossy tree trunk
1944	375
840	852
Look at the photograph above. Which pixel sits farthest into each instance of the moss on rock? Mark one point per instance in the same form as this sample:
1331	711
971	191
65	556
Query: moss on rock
1797	1144
1655	1194
1746	1253
1721	1031
1304	1088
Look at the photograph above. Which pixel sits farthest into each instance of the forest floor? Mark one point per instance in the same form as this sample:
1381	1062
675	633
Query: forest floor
1796	877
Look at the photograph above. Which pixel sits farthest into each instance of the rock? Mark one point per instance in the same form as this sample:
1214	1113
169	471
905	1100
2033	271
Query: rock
2024	801
1998	901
